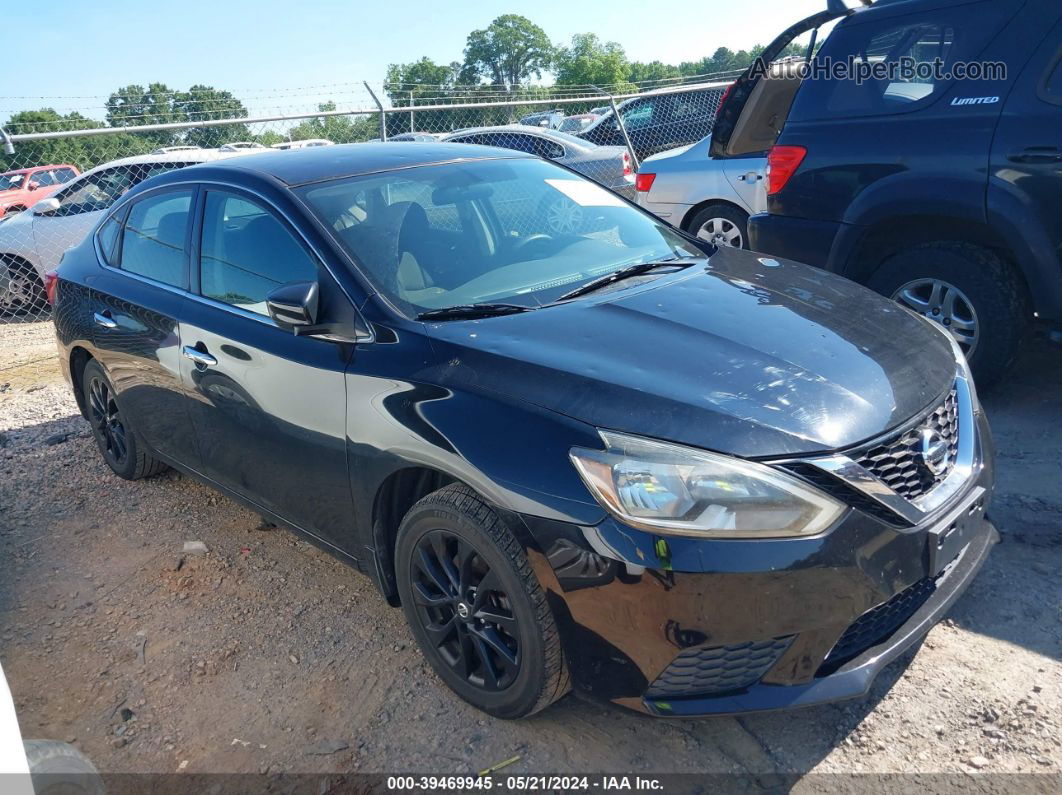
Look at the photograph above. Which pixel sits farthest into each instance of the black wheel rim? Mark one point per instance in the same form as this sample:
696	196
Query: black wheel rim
107	421
465	611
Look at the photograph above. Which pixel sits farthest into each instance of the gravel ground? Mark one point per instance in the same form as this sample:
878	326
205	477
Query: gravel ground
267	655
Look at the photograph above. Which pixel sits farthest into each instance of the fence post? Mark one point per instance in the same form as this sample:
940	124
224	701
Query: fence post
383	118
9	146
412	126
622	127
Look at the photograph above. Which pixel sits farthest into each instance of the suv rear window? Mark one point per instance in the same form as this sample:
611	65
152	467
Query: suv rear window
945	35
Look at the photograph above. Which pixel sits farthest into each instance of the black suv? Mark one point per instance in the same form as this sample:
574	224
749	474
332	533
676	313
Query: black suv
659	121
941	193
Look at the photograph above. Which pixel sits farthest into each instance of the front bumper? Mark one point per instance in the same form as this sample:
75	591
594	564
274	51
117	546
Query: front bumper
647	621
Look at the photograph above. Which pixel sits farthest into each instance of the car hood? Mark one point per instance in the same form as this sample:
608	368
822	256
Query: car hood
750	356
8	195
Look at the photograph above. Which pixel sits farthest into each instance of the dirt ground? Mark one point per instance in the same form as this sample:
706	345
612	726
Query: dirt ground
267	655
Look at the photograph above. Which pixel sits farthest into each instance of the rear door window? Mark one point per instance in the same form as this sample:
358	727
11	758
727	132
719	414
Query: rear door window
154	236
928	44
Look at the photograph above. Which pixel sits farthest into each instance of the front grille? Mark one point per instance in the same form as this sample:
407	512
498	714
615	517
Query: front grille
849	495
877	624
898	462
715	670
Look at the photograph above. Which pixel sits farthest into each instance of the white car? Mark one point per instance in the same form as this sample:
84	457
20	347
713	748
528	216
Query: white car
305	144
32	242
711	199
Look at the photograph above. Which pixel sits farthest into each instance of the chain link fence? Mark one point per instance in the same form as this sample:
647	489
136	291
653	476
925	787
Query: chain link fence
58	177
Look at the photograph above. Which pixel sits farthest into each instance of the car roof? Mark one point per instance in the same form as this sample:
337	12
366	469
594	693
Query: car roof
320	163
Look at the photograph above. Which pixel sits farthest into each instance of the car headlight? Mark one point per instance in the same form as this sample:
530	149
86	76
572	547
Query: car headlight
674	490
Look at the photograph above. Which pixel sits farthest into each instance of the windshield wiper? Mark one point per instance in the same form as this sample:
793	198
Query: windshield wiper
472	311
625	273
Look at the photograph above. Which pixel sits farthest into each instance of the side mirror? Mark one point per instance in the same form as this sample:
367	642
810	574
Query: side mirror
45	206
293	305
32	186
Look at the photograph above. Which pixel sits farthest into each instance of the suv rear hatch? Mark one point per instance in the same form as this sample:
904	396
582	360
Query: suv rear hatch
754	110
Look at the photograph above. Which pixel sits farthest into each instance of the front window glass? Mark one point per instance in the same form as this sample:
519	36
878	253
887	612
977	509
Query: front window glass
153	238
641	115
515	231
247	253
95	192
100	190
43	179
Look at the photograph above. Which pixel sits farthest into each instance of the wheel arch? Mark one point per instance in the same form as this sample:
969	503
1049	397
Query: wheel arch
398	492
691	213
879	241
79	359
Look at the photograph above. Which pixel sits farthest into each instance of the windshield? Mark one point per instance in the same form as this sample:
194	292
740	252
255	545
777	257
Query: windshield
519	231
12	181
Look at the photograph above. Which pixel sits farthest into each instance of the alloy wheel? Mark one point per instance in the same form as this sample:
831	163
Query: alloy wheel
564	217
21	295
107	421
945	304
466	614
721	232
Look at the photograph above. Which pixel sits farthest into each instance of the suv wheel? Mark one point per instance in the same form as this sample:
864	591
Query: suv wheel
115	438
967	289
722	225
476	608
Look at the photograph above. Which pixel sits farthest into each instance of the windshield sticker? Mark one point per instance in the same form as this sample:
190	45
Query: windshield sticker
586	194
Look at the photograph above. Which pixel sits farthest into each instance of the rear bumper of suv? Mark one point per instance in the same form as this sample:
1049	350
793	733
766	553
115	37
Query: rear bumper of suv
797	239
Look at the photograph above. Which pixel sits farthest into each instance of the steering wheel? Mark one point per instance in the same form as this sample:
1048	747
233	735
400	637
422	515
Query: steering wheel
538	237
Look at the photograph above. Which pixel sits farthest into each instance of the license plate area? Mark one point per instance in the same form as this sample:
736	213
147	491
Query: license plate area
950	536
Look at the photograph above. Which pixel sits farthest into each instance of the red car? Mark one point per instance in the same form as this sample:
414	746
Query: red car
21	189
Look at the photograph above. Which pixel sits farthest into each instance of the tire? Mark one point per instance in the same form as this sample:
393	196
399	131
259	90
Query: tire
25	292
977	289
730	225
456	562
116	439
60	769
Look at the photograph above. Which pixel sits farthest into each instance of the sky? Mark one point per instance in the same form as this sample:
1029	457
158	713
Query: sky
290	55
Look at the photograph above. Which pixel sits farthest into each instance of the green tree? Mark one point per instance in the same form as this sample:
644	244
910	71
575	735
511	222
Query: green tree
134	106
85	152
337	129
422	81
639	72
590	61
508	52
203	103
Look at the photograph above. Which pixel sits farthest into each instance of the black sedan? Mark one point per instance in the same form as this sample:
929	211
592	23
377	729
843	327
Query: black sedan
685	480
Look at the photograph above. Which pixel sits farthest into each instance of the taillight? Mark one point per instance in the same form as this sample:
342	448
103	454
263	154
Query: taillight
626	163
782	163
724	98
51	281
643	182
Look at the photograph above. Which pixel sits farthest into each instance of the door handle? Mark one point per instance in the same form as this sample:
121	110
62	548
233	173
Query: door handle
752	176
104	319
1037	154
201	358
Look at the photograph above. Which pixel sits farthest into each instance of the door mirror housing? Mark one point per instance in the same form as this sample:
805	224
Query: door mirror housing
45	206
294	305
